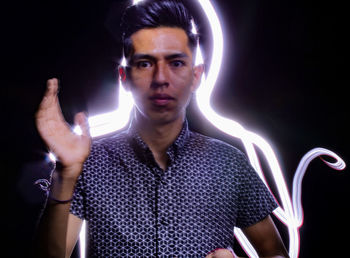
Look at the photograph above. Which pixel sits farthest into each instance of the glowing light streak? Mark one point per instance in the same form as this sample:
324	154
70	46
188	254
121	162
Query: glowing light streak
52	157
289	213
338	164
82	238
110	122
113	121
285	212
136	1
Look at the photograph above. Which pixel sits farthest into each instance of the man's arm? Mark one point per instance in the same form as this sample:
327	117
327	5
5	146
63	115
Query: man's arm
58	229
266	239
73	230
263	236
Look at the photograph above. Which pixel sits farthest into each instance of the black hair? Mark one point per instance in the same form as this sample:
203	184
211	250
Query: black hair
154	14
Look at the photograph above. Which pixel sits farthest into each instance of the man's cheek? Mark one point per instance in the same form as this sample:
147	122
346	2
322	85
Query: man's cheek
140	78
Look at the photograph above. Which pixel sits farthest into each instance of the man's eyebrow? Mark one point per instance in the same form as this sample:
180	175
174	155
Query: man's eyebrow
177	55
150	57
141	56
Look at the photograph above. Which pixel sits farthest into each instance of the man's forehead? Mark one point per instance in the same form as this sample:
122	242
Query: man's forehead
160	40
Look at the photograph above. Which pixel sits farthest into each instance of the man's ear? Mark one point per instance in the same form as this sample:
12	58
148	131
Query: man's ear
122	71
197	76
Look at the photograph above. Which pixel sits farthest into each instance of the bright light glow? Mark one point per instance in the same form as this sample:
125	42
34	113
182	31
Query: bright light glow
136	1
194	29
82	240
113	121
251	140
77	130
52	157
290	209
338	164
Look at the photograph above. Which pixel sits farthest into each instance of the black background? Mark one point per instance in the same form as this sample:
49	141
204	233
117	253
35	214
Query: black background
284	76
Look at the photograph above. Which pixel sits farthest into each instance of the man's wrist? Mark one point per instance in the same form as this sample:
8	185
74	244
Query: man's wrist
67	172
62	186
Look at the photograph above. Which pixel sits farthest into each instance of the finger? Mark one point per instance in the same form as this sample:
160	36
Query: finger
52	87
49	109
50	95
81	120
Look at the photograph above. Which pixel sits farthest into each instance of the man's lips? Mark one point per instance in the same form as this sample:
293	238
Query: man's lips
161	99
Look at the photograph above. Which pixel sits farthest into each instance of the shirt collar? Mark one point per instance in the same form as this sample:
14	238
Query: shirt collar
141	147
182	137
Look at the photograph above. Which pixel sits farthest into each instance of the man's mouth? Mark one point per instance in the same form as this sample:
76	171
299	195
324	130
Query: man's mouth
161	99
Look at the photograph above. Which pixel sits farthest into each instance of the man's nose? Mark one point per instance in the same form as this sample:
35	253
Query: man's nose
160	76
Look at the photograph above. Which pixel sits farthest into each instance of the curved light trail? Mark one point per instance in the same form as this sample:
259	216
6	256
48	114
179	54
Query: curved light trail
290	210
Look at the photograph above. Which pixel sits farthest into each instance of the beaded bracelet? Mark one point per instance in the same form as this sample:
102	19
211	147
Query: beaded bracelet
45	185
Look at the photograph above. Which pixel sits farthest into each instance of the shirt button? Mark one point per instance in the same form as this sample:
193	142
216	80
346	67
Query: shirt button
163	221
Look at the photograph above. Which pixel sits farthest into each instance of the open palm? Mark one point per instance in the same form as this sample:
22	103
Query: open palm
71	149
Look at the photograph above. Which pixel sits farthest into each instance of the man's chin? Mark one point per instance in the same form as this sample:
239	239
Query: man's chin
159	116
162	118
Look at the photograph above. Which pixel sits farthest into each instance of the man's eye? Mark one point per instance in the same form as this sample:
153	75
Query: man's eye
177	63
143	64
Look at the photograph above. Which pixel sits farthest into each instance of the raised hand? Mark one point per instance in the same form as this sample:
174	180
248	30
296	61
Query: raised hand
221	253
70	149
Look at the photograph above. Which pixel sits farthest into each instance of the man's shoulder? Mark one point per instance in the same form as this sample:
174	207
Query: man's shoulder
210	144
110	142
218	153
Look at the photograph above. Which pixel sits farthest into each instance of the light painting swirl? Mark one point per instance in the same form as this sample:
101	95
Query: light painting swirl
290	210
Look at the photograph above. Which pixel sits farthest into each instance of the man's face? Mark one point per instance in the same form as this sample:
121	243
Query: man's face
162	76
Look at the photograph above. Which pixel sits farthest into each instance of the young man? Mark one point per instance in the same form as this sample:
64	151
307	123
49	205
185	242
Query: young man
156	189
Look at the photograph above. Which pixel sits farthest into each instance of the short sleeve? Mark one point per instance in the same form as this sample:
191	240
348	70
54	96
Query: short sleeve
77	205
83	198
255	201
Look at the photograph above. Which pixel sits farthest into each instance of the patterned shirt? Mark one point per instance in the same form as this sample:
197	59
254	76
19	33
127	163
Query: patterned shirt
133	208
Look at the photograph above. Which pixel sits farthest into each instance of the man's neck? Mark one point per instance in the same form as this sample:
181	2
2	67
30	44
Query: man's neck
159	136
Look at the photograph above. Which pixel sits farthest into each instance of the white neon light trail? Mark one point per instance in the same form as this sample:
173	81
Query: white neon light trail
290	210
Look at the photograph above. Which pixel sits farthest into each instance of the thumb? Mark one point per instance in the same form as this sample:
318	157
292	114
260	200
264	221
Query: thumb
81	120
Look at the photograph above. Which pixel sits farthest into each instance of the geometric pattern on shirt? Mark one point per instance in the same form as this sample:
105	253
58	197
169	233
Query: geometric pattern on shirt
135	209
